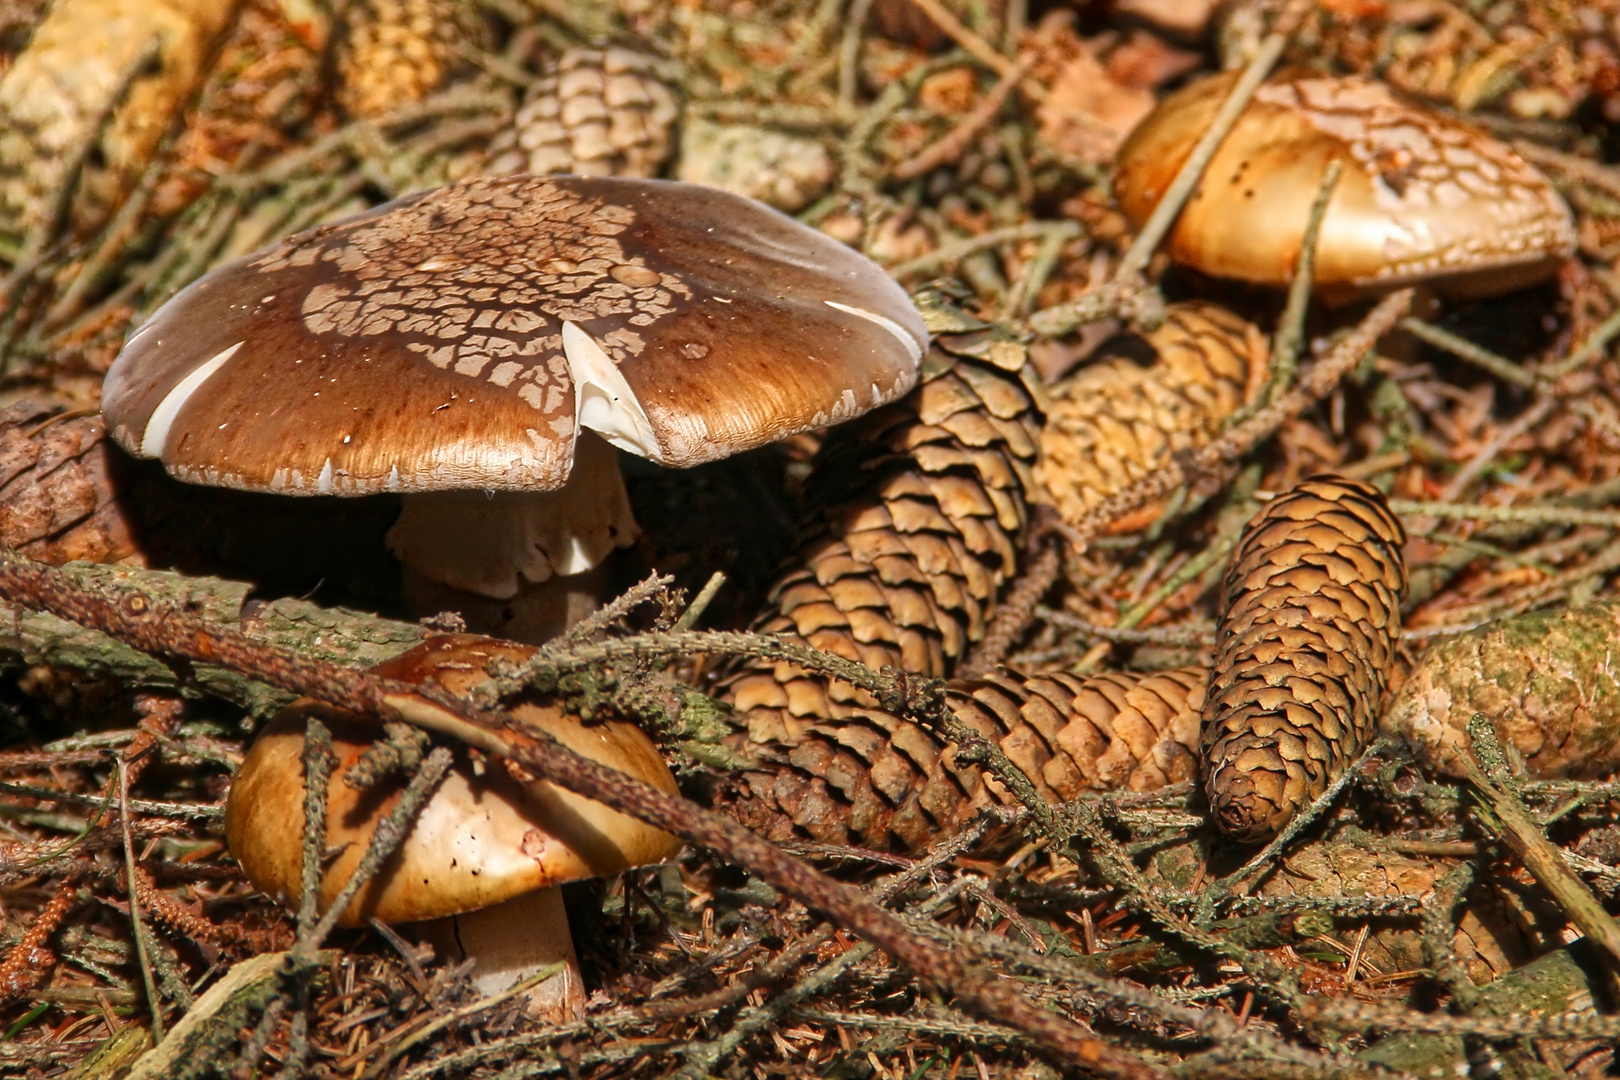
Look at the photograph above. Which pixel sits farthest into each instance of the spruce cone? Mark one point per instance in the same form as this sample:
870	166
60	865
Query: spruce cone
603	112
59	488
1147	398
393	52
1305	644
923	508
878	781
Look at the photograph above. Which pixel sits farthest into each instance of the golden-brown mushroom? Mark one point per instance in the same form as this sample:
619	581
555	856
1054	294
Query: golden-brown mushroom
478	347
1422	197
486	852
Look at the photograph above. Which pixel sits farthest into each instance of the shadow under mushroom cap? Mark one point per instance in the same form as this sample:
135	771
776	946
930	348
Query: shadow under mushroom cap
458	337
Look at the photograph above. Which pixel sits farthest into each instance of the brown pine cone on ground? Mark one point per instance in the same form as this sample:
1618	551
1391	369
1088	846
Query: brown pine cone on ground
1144	399
922	507
59	488
602	112
1303	651
878	781
393	52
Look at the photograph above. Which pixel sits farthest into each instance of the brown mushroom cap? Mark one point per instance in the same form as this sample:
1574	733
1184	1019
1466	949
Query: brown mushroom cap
481	838
1421	196
458	338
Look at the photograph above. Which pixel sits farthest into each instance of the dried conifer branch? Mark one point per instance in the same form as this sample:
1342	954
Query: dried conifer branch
1118	869
1241	880
1190	635
136	621
949	148
1503	813
1529	513
144	943
1463	349
1013	613
29	961
617	608
1291	325
894	690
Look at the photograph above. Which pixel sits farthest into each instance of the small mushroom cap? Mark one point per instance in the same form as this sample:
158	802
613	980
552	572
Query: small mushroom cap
1421	197
482	837
458	338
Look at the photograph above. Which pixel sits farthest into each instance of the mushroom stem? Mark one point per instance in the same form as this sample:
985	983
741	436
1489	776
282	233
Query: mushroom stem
535	615
509	559
511	941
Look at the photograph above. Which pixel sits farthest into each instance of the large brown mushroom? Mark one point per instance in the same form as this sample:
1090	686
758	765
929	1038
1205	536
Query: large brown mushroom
481	348
1422	197
484	857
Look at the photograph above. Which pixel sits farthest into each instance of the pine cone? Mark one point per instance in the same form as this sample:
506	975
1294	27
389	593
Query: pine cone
1147	398
923	509
1303	651
393	52
878	781
59	488
603	112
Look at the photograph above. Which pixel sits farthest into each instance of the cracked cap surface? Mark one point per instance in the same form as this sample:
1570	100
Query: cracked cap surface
458	338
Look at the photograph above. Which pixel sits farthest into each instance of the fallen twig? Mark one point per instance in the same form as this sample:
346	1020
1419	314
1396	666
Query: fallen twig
134	620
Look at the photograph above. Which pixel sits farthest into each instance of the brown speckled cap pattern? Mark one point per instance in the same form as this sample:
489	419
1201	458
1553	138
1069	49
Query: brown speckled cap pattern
1422	196
460	337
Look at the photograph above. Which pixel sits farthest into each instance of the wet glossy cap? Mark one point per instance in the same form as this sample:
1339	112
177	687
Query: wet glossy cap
459	338
1421	197
482	838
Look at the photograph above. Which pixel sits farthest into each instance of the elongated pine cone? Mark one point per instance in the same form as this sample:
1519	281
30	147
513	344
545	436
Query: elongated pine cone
59	488
602	112
1303	650
393	52
922	509
878	781
1146	398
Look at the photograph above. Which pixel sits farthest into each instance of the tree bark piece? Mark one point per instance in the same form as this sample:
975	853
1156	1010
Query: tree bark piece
1303	651
343	637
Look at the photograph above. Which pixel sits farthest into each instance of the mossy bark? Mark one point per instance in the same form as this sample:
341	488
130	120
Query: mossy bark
345	637
1560	982
1548	681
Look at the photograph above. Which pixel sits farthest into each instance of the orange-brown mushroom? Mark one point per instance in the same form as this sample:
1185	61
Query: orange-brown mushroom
478	347
485	854
1422	197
